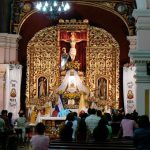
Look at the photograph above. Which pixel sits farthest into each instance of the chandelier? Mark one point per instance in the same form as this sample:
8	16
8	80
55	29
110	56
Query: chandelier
53	7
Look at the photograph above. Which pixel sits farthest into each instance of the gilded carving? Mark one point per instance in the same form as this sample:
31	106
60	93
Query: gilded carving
102	64
42	63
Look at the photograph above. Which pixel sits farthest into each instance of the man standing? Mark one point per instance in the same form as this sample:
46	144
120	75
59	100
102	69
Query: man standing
91	122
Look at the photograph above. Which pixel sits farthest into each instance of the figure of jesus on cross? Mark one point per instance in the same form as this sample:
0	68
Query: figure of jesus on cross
73	40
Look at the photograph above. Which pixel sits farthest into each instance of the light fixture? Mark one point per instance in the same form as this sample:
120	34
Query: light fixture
52	7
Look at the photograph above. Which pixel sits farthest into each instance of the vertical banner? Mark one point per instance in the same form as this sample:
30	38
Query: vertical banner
13	88
129	89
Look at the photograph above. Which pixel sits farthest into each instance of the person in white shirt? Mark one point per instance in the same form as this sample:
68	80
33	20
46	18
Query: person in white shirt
91	122
21	123
40	141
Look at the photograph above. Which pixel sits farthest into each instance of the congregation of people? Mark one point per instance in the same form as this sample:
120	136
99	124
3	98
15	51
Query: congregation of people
93	126
12	129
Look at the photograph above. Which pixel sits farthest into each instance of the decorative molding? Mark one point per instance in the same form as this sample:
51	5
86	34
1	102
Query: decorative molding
142	79
141	13
140	56
132	40
8	40
101	53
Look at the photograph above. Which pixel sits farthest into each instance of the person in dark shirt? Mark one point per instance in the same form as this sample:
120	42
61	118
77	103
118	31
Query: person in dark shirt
100	133
66	132
81	131
142	134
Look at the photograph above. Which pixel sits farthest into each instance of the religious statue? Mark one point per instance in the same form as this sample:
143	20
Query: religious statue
82	103
48	108
33	115
64	58
73	40
42	86
102	88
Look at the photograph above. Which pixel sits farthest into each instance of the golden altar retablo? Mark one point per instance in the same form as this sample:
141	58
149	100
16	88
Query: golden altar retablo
99	70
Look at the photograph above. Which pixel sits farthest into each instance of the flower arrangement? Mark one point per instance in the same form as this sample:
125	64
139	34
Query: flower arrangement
73	65
69	95
92	99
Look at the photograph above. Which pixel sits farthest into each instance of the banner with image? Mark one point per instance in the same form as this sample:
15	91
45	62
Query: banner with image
13	88
129	89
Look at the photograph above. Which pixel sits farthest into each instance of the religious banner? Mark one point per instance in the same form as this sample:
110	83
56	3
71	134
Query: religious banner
13	86
129	89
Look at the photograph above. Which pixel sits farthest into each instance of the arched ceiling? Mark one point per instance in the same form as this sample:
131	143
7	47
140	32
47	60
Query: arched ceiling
97	16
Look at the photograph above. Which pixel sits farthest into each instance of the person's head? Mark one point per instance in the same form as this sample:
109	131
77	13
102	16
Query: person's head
128	116
99	113
4	112
70	117
143	121
108	116
75	114
73	34
40	128
10	114
93	111
89	111
21	113
64	50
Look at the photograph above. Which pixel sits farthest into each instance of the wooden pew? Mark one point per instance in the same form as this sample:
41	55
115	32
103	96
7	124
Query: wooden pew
106	145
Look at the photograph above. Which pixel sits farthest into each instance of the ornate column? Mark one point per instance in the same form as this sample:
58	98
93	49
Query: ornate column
8	48
132	40
141	56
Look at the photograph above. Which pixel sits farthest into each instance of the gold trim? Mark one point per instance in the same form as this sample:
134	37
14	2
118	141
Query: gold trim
147	102
25	18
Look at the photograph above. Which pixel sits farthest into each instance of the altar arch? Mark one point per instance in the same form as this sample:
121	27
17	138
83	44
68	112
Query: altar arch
102	62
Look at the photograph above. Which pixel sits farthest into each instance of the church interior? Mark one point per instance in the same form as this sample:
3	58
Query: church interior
94	55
